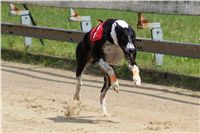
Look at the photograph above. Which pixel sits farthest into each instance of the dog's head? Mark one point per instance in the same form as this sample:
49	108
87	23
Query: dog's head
124	36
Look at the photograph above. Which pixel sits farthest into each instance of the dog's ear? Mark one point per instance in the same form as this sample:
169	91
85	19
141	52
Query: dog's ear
100	20
131	32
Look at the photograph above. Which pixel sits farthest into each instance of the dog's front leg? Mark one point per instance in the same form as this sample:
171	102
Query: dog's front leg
105	88
134	68
103	103
136	74
109	71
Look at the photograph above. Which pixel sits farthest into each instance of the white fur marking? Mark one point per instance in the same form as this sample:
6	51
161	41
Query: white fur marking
113	34
115	86
78	88
103	104
130	46
135	68
123	24
136	75
79	84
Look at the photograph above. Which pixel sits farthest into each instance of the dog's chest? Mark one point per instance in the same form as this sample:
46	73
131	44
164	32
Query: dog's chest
113	54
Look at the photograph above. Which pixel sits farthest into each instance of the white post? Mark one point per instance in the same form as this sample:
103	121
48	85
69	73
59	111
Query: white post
156	35
86	24
85	21
25	19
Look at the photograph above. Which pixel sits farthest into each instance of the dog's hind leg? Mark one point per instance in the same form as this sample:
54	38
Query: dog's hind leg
78	88
105	88
81	60
79	72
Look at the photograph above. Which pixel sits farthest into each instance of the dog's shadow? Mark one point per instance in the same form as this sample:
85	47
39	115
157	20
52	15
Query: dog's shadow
80	119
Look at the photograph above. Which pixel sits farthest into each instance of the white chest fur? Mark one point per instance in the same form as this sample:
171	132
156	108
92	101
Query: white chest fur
113	53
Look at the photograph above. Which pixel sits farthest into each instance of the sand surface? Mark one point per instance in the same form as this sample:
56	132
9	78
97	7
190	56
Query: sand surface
40	99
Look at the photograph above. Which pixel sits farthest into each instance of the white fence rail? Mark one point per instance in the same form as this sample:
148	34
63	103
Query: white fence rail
187	7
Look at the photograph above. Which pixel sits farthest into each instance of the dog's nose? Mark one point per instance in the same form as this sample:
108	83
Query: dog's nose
131	50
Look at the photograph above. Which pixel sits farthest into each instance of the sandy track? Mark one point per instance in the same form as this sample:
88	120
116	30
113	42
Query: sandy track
35	99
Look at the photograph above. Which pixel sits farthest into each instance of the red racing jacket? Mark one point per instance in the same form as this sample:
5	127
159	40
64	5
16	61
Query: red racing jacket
96	33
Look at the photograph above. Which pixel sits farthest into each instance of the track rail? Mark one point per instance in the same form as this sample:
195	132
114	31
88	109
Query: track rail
146	45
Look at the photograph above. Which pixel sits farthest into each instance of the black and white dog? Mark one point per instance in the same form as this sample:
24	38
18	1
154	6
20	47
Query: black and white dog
105	45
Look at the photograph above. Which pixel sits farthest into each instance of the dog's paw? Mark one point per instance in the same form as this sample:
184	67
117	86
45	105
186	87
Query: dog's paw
106	115
137	80
136	75
77	97
115	86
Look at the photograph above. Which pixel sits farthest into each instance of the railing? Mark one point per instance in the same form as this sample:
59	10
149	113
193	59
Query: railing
146	45
162	7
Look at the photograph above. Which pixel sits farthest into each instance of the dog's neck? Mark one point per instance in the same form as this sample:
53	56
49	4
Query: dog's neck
113	34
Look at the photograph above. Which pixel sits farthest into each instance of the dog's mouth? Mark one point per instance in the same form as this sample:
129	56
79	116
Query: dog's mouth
128	55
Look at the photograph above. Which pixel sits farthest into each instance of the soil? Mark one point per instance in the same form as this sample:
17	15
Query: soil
40	99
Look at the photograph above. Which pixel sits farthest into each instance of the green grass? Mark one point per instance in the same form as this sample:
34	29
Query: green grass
175	28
